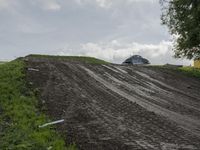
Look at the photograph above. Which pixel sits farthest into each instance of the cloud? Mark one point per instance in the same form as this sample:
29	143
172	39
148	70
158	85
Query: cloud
142	1
6	4
110	3
104	3
44	4
116	52
49	4
101	28
99	3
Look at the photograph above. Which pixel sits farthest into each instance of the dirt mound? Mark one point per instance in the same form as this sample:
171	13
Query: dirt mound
116	107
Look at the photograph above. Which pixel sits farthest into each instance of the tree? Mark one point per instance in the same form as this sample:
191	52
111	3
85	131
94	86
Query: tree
183	19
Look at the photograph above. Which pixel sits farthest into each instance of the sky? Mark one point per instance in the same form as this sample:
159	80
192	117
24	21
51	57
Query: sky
111	30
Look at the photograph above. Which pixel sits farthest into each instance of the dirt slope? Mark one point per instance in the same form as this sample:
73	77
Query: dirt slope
113	107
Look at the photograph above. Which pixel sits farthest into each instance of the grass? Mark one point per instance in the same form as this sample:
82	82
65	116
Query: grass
190	71
2	62
90	60
19	116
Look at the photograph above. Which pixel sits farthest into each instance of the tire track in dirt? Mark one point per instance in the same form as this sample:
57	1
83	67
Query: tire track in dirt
102	110
186	122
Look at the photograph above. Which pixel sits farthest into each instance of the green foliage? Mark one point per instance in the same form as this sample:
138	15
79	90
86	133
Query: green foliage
183	19
19	116
89	60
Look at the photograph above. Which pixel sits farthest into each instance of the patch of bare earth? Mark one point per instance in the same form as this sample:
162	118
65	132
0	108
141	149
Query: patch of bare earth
114	107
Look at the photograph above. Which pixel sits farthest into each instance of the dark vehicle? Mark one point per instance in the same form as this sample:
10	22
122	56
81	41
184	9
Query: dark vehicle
136	60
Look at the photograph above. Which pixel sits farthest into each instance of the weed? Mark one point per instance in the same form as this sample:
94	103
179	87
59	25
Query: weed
19	116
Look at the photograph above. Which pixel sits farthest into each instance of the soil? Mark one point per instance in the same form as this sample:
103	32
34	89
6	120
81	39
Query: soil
119	107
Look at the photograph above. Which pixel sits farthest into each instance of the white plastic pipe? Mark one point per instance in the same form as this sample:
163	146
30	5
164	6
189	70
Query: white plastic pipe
51	123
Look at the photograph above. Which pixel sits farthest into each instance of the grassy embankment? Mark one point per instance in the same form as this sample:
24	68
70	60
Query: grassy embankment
19	114
190	71
84	59
2	62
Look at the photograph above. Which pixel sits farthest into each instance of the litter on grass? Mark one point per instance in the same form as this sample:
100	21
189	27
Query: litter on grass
51	123
32	69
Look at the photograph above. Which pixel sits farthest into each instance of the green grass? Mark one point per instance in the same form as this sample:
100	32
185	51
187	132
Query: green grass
90	60
19	116
2	62
190	71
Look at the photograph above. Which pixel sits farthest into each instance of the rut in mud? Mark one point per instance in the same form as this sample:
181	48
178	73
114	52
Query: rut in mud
116	107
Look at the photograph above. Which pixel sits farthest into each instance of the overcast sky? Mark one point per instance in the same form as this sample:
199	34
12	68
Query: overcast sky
107	29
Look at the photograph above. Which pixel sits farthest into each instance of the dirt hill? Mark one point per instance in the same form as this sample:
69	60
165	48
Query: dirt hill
119	107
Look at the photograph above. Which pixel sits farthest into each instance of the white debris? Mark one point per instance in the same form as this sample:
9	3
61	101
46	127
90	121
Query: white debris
31	83
51	123
32	69
43	101
49	148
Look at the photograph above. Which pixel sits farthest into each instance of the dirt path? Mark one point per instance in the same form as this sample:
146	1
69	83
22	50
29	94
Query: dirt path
113	107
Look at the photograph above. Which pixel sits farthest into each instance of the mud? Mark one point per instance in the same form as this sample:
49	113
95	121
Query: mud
116	107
